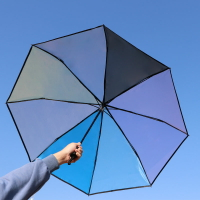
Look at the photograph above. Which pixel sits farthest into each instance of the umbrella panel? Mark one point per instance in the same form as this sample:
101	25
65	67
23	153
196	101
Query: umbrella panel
126	66
117	165
154	141
44	76
155	98
40	122
84	54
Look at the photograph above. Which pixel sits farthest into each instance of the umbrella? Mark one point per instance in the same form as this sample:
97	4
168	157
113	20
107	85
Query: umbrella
97	88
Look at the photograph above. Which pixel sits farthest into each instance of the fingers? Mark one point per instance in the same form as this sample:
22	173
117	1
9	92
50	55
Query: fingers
78	144
78	147
79	151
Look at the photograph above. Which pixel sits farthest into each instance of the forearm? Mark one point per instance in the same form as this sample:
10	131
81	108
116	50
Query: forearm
22	183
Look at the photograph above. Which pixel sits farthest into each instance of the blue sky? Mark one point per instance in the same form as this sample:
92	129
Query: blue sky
169	31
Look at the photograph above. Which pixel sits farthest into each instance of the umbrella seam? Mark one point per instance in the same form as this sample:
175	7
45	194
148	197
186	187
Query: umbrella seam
90	127
121	189
136	85
153	118
71	72
105	65
51	100
68	132
169	159
19	132
138	49
69	35
178	101
96	153
20	72
69	184
130	145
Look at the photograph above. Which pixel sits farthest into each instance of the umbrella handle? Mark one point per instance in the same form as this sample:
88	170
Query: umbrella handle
73	156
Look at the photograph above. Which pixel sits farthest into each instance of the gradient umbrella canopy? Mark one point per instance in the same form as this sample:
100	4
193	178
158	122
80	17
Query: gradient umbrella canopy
95	87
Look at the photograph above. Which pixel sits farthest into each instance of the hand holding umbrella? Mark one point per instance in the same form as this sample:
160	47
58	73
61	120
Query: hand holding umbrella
64	156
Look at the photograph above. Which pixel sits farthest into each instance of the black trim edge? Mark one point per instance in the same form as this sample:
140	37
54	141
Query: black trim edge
95	161
19	132
153	118
169	159
69	34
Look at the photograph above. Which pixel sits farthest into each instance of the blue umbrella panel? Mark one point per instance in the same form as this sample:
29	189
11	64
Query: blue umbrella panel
95	87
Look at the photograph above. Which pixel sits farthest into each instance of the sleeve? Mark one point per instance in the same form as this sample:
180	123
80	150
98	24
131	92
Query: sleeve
22	183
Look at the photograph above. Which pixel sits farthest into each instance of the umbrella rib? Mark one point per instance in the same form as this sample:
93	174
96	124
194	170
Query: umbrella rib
81	142
97	100
69	35
156	119
69	70
107	113
69	184
95	106
99	104
98	192
169	159
121	189
130	145
136	85
90	127
20	72
19	132
42	98
67	132
178	101
106	65
138	49
95	161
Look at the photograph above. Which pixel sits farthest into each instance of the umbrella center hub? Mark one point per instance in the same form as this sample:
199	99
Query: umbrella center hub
101	108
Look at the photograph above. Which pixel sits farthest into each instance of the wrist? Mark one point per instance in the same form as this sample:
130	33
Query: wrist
51	162
61	158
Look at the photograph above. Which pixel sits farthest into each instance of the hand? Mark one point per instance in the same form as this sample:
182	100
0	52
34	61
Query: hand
63	156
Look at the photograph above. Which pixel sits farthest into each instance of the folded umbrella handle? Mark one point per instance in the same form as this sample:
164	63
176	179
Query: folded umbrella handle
73	156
